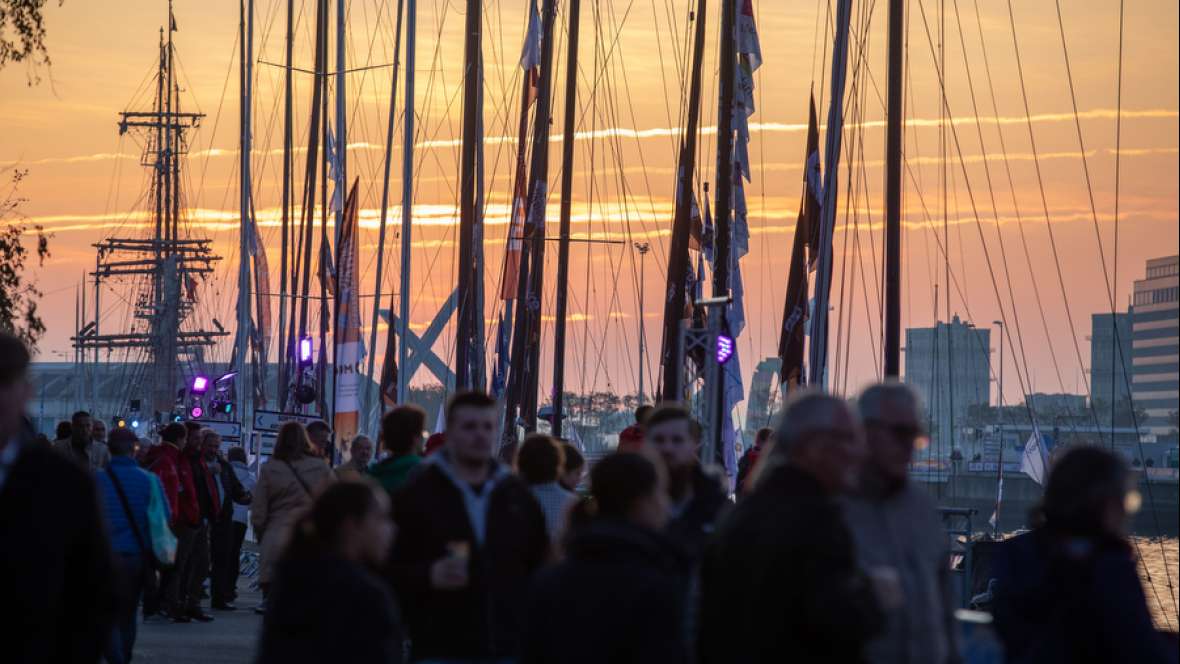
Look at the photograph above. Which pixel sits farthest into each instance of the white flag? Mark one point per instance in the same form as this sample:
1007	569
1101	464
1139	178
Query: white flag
440	424
1032	463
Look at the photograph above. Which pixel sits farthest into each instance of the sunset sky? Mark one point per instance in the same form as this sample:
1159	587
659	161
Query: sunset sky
85	181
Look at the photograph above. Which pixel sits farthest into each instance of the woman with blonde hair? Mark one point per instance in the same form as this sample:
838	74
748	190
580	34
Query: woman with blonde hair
286	486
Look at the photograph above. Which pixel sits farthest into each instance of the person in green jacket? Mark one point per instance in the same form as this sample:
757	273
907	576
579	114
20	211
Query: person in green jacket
401	437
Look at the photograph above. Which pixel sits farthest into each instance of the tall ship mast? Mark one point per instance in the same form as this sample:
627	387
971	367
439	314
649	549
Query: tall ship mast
158	273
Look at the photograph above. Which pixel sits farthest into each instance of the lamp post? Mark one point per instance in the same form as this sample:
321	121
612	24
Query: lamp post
642	248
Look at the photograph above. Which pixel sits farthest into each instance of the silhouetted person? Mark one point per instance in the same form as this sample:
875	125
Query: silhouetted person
749	460
401	437
57	598
81	446
167	460
125	490
573	468
208	499
539	462
320	435
895	524
471	535
360	453
697	497
286	486
785	553
223	558
1069	590
63	431
240	519
327	602
619	596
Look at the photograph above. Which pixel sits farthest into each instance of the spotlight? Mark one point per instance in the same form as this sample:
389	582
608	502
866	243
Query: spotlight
222	407
725	348
200	384
305	354
305	394
134	424
196	412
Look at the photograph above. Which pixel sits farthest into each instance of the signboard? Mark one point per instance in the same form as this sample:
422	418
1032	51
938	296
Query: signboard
230	432
270	420
990	466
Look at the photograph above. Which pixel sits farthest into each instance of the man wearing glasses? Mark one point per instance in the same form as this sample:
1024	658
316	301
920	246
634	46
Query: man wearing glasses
895	524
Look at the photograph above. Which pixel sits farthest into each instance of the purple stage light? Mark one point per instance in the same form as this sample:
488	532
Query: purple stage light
305	351
200	384
725	347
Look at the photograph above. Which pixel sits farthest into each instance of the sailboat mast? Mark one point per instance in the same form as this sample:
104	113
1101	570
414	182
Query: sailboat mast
563	246
678	246
727	62
288	142
378	280
245	227
467	314
893	148
538	195
403	378
823	285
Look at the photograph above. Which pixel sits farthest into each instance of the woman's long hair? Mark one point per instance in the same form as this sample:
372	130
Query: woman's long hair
317	532
1081	484
617	483
292	443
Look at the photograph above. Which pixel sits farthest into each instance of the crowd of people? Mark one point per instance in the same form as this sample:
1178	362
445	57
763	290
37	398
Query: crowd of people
442	551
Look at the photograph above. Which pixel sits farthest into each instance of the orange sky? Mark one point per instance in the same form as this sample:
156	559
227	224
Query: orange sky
85	182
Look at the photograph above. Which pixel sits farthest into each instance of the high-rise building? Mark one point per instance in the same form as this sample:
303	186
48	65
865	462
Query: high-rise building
1155	344
1110	359
949	366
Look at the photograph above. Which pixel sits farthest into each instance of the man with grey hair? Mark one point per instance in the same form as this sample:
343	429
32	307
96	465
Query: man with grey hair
895	524
785	549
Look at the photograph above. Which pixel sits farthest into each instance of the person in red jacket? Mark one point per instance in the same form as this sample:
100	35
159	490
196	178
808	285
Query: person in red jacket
175	473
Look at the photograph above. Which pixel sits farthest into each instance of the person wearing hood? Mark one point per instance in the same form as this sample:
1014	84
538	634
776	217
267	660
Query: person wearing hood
697	495
895	523
1069	590
619	596
328	603
401	436
471	536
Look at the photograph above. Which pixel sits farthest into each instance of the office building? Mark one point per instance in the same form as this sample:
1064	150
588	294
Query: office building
1155	351
949	366
1110	360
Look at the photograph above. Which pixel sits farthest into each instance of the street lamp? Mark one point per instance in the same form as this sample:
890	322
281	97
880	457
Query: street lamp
642	248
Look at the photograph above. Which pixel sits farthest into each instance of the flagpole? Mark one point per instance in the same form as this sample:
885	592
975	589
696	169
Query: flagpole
465	320
403	322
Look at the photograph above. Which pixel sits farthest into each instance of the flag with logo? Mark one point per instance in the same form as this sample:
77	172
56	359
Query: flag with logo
530	62
349	347
1034	460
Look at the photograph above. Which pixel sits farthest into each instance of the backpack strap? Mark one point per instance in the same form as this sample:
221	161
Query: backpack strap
298	477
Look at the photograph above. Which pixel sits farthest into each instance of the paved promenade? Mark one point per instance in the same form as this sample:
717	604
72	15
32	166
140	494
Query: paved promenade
230	639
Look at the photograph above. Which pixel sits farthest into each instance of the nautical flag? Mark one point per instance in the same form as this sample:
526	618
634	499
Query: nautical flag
813	191
327	270
440	422
530	62
503	352
190	287
790	344
735	313
389	372
349	348
1032	462
261	283
707	231
741	224
749	59
334	172
746	35
695	231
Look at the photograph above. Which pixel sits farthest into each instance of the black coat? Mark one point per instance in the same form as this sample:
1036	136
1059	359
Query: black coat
483	619
1078	600
693	527
329	610
57	591
779	582
618	598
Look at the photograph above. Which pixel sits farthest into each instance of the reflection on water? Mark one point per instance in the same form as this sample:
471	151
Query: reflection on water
1155	556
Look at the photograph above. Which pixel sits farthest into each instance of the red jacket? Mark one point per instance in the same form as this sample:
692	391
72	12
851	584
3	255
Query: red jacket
177	477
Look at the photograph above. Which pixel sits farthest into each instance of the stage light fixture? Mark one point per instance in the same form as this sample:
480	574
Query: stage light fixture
725	348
